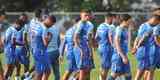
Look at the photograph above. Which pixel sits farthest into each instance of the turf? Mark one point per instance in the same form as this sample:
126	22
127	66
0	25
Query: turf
95	72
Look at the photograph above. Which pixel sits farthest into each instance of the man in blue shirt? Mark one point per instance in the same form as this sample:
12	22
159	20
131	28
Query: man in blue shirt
143	48
9	48
3	28
120	63
41	38
68	45
53	50
103	37
83	40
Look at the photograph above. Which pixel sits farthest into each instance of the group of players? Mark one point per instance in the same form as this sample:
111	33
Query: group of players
41	37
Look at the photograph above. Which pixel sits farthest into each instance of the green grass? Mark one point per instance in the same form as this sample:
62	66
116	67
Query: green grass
95	72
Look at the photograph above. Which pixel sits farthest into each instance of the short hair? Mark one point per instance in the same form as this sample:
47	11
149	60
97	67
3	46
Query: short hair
125	17
86	11
19	21
109	15
2	12
52	18
38	13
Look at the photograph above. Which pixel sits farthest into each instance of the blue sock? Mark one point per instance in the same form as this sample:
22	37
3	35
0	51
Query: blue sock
111	78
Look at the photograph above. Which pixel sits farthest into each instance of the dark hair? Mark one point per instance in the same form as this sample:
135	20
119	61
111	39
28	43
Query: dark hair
109	15
38	13
2	12
19	21
86	11
52	18
125	17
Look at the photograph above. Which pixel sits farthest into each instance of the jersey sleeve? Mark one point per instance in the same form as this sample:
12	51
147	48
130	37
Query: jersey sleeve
78	29
155	31
118	32
141	31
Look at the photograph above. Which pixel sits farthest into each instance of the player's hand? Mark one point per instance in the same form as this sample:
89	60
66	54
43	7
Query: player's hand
125	60
133	51
61	59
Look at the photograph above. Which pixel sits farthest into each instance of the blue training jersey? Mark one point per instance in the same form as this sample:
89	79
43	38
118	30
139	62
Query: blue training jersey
146	31
55	40
37	32
84	29
102	35
122	34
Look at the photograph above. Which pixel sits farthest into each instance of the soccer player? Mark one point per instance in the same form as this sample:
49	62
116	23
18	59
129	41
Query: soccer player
41	38
53	50
154	53
2	26
83	40
20	41
9	48
36	21
68	44
143	49
120	63
23	36
103	36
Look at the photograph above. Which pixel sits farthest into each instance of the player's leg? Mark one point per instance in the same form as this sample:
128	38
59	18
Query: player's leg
56	70
82	74
150	75
8	71
113	76
46	75
54	60
18	70
38	76
139	74
66	75
1	72
104	74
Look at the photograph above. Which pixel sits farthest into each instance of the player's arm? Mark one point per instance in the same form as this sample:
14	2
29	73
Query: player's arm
96	39
62	48
47	37
110	38
77	39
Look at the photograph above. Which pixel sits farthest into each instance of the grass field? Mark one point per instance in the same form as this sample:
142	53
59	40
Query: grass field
95	72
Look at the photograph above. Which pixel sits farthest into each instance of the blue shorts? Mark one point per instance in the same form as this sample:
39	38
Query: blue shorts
42	62
105	56
71	62
142	57
118	66
86	62
10	56
155	57
21	56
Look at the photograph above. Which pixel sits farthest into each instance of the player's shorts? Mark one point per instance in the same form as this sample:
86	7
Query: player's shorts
105	56
71	61
118	66
86	62
154	57
10	57
21	55
42	61
142	57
